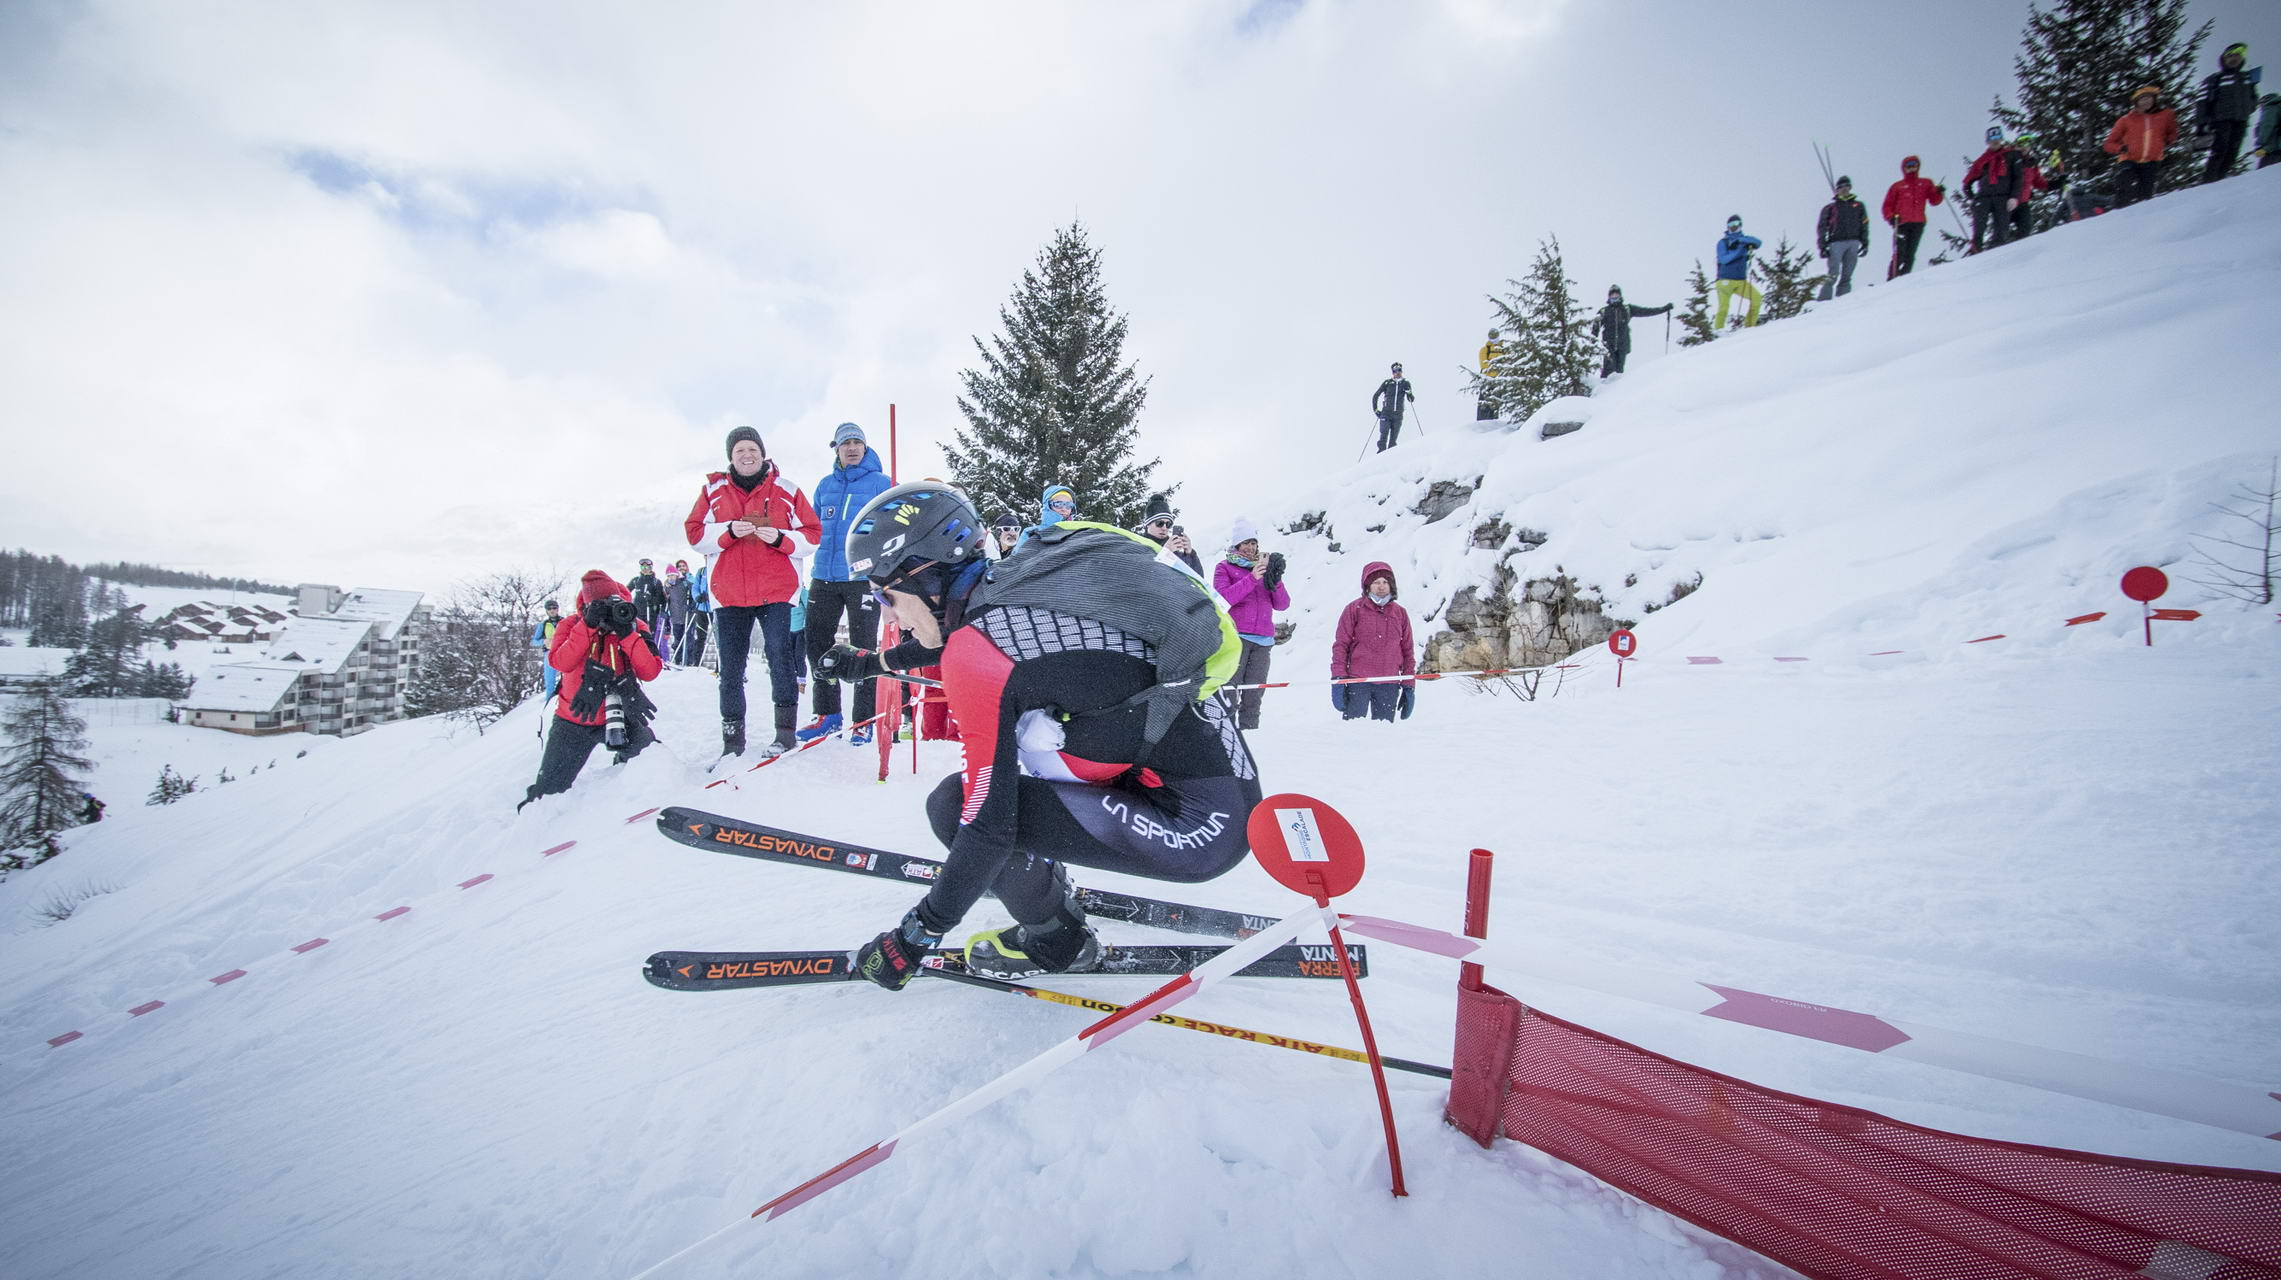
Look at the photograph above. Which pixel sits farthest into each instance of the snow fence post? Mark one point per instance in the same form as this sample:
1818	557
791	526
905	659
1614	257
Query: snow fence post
1310	849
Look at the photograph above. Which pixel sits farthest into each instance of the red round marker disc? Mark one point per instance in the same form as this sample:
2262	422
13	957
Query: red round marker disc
1305	845
2145	583
1623	644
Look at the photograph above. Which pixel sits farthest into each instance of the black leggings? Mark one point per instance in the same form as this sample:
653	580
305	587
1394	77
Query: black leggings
1188	830
570	743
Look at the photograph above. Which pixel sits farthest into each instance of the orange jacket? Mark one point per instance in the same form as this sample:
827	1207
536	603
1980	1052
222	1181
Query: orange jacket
2143	137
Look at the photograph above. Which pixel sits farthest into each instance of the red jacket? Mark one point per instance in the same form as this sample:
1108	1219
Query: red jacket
2143	136
575	642
750	570
1995	173
1905	200
1373	639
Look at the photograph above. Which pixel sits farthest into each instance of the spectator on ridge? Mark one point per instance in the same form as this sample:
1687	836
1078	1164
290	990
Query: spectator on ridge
2141	139
2229	97
1615	330
1843	236
1734	252
1905	204
755	532
835	591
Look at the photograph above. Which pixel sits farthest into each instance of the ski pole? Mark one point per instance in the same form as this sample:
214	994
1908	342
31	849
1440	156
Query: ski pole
1191	1024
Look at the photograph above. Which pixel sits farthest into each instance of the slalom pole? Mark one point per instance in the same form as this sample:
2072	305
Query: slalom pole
1191	1024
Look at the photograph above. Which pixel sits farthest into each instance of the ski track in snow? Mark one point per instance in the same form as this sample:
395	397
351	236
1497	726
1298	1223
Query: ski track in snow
2061	838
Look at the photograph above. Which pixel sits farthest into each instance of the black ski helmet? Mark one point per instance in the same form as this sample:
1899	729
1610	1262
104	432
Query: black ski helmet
911	528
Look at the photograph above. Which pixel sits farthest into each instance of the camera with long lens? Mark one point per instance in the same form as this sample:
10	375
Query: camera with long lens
614	722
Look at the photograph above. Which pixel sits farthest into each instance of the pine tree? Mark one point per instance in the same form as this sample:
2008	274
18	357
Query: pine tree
1695	318
163	680
40	792
1550	351
106	668
1784	280
2079	60
171	786
1054	401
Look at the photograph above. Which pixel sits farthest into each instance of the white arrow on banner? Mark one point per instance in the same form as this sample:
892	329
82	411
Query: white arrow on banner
2164	1093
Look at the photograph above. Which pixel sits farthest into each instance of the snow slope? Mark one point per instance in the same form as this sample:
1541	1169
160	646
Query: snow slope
2061	838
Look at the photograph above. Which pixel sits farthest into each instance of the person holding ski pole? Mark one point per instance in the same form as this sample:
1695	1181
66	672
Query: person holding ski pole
1842	234
1905	204
2141	140
754	531
1081	671
856	478
1387	402
1734	251
1614	328
2229	98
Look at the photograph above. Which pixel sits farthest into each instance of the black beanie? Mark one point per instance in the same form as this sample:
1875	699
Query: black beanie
746	433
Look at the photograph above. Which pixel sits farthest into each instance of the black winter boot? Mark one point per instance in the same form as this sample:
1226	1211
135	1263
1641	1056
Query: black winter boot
732	737
1029	951
786	717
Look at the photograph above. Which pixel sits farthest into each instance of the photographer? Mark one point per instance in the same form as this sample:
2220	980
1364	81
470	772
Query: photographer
1253	588
1158	528
604	654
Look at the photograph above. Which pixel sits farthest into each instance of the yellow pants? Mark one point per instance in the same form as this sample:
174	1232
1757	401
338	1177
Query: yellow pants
1727	291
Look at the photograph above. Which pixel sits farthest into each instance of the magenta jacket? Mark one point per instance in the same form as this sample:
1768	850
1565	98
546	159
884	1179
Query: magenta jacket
1251	606
1373	640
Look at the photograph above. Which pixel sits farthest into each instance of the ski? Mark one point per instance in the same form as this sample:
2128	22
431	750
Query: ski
730	970
701	830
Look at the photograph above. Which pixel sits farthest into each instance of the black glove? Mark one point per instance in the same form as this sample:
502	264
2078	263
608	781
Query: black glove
1338	698
593	686
1274	576
591	614
892	959
1409	700
846	662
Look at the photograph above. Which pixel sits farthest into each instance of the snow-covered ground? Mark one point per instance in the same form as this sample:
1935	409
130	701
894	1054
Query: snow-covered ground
2062	838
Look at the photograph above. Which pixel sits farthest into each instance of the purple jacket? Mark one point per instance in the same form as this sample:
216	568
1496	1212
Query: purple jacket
1373	640
1250	605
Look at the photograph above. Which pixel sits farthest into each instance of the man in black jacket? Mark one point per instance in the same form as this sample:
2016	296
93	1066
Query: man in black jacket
1843	235
1387	404
1614	328
2229	97
1993	182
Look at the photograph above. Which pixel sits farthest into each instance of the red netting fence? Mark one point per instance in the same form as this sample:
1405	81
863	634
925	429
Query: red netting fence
1837	1192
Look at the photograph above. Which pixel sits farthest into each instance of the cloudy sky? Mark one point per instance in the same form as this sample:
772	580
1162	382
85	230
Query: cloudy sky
395	294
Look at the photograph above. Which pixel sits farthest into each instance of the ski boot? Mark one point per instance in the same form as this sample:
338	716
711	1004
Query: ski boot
1024	951
821	726
732	737
860	738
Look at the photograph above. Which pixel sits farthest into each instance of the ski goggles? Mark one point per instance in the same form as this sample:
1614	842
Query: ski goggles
1063	505
1910	165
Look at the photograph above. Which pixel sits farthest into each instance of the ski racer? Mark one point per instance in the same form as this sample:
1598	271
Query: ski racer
1905	203
1734	252
1080	672
1615	329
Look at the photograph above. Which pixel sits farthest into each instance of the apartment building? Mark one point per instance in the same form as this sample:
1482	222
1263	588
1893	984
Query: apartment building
342	663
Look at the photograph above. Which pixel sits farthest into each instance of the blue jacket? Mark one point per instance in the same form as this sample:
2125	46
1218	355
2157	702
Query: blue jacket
838	497
701	591
1734	256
